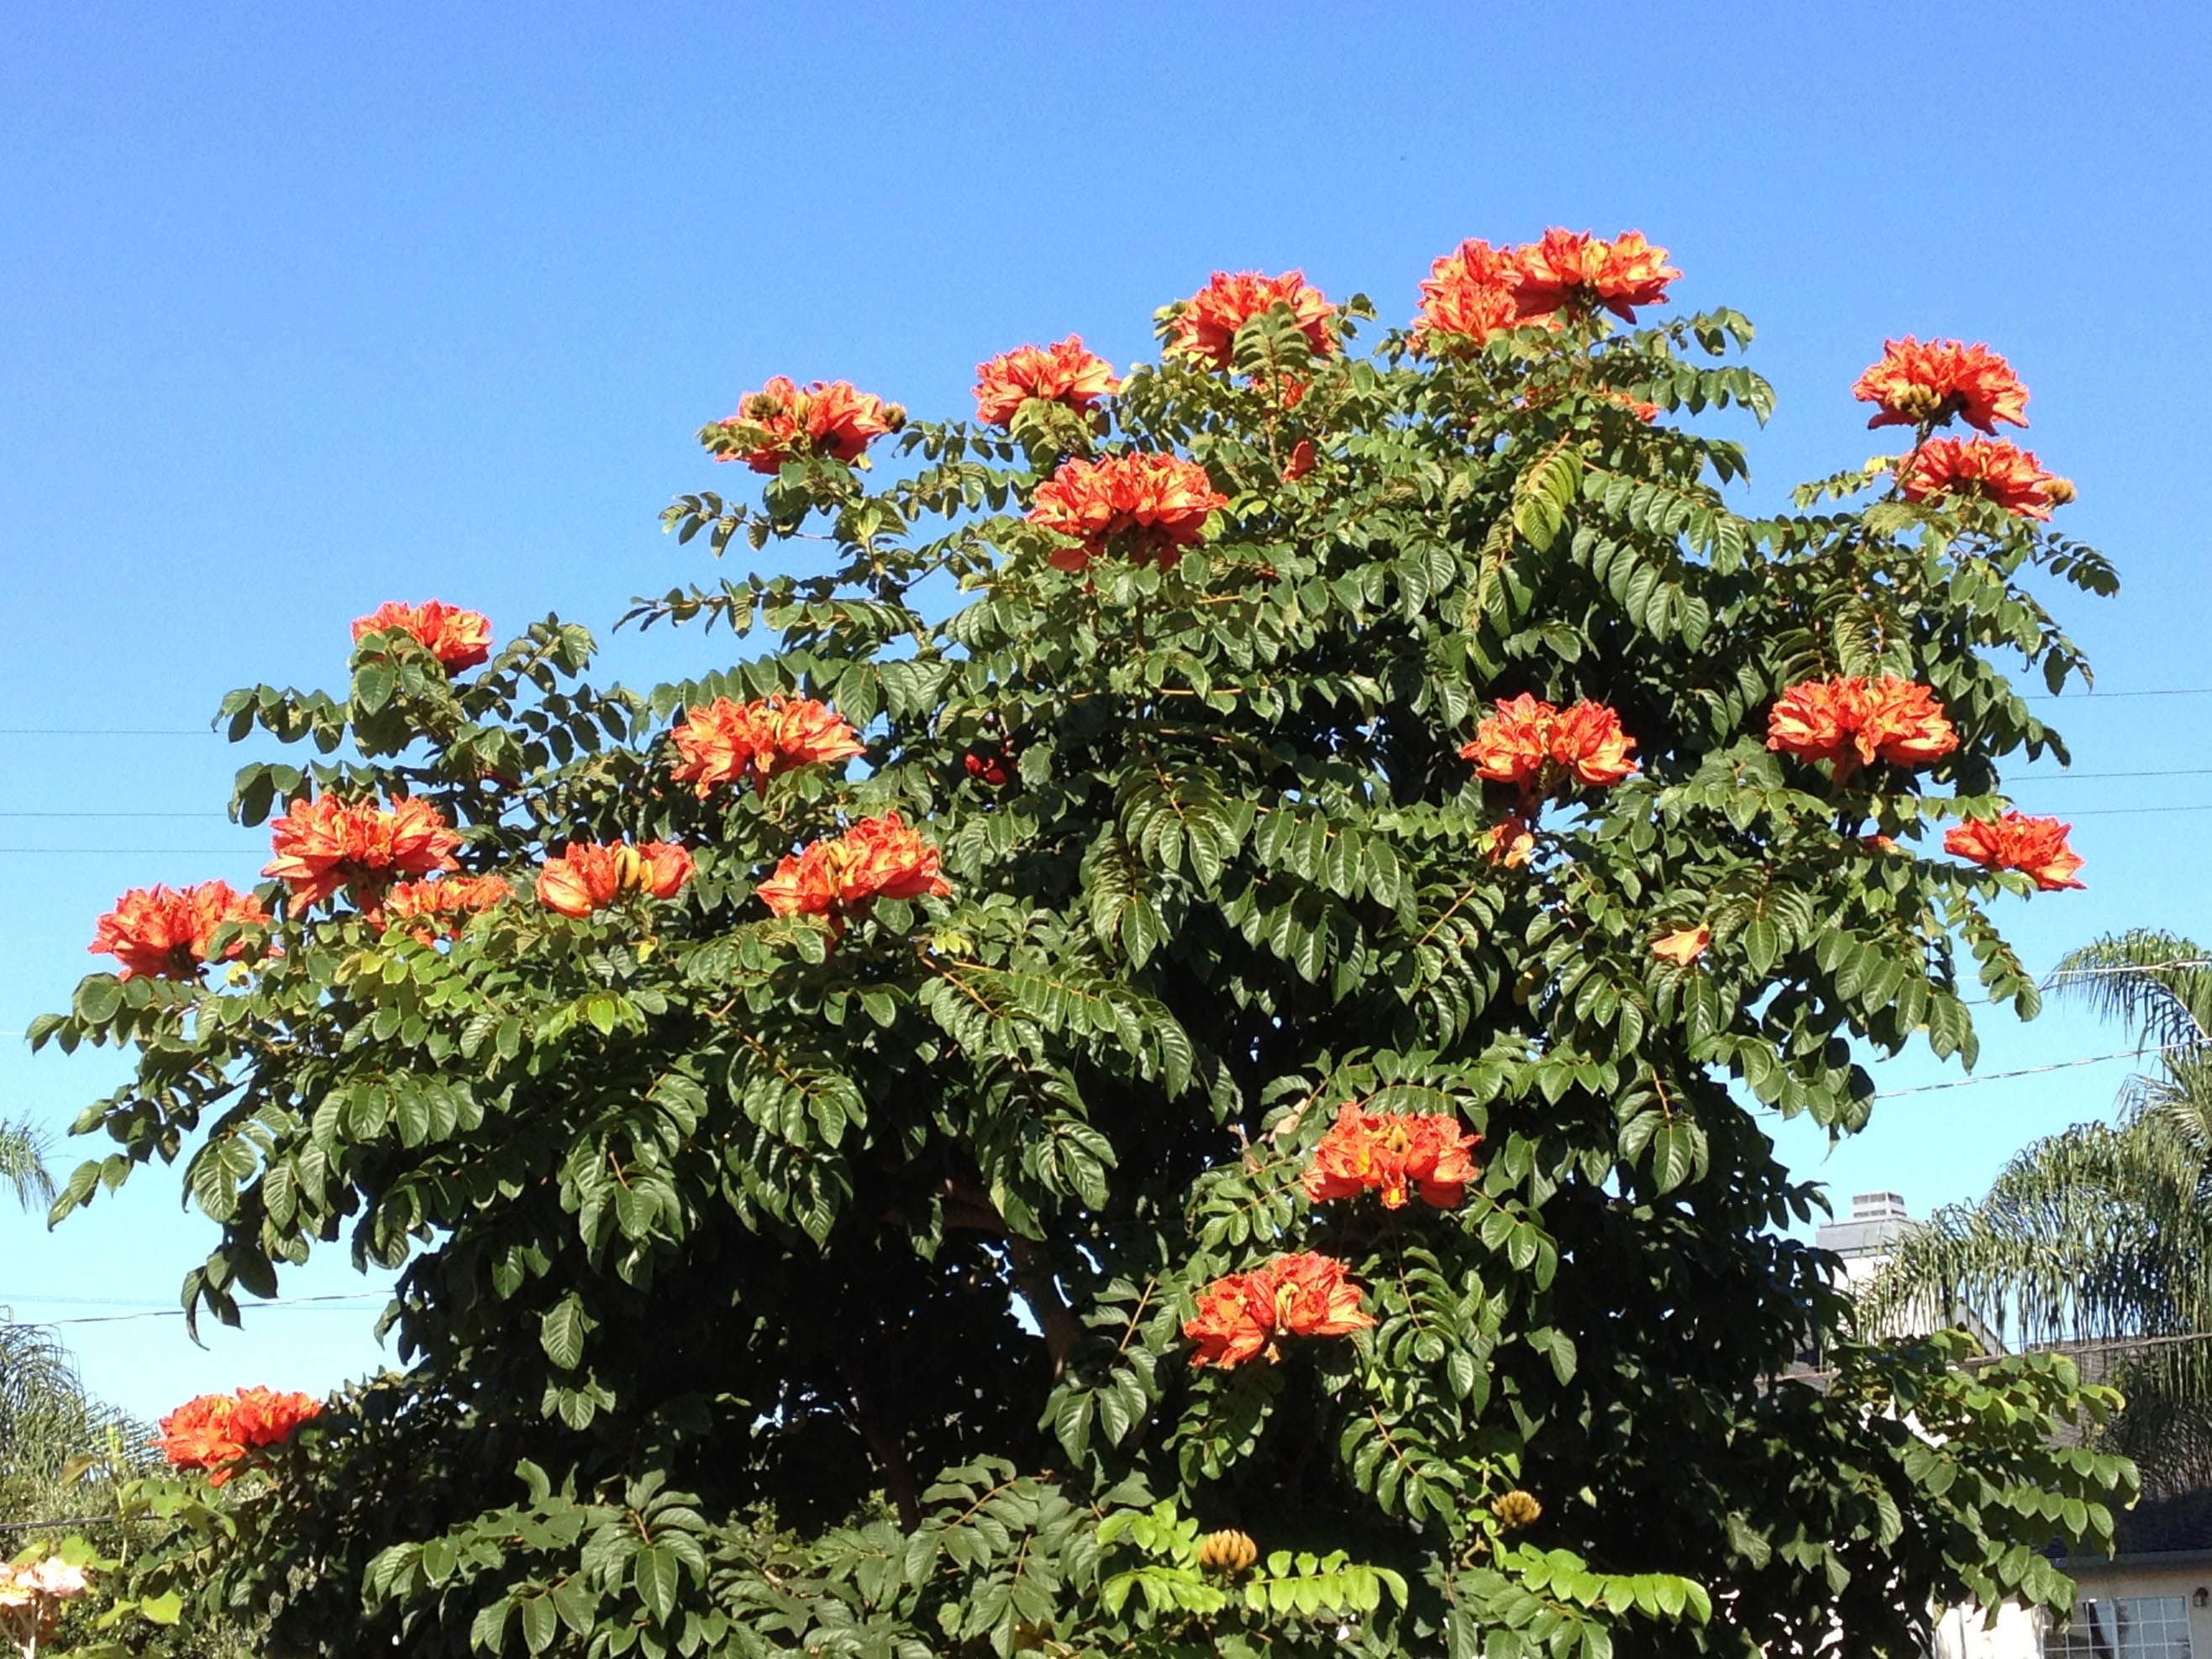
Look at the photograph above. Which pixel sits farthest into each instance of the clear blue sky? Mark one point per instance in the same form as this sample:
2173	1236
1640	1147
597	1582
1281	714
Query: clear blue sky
303	308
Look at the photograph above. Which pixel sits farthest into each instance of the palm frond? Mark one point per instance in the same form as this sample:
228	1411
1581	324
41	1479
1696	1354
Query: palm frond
53	1437
23	1164
2095	1233
2157	983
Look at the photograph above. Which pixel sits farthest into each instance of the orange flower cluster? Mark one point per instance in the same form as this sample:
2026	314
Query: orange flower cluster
1477	290
1575	272
31	1582
1508	843
165	932
328	844
1206	328
1914	384
2036	847
987	767
1683	946
877	858
1995	469
1240	1317
723	742
1468	296
1064	372
783	423
1527	737
428	909
591	875
458	639
1395	1153
1153	506
214	1430
1852	722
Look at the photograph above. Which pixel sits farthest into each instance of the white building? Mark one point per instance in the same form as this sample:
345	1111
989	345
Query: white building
2151	1600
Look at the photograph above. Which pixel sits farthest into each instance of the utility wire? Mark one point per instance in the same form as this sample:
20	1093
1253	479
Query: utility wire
2036	779
242	850
1972	1079
210	731
2107	696
178	1313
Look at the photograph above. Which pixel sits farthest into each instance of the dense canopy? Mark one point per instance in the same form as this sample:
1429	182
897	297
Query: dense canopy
1168	1055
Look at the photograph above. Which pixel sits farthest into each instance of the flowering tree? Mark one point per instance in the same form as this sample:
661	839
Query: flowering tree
1200	1096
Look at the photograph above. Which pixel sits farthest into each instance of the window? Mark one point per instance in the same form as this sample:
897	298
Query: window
2122	1627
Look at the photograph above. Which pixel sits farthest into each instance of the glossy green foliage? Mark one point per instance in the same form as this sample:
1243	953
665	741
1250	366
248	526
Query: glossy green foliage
767	1292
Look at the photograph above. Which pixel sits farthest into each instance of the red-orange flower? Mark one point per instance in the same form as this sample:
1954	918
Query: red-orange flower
1915	382
1151	507
1527	734
1206	328
1683	946
1588	742
877	858
1241	1316
1469	295
1851	722
1995	469
1395	1153
723	742
1573	271
1063	373
1301	462
1512	746
427	908
1902	722
783	423
326	844
212	1432
1508	843
458	639
987	767
1815	721
591	875
166	932
2036	847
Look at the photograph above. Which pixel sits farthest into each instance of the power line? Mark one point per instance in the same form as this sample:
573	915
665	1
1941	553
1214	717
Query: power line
106	732
2032	779
2073	777
2107	696
216	817
2132	811
1970	1080
178	1313
243	851
132	852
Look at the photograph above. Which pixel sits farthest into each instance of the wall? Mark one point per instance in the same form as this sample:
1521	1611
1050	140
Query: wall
2018	1633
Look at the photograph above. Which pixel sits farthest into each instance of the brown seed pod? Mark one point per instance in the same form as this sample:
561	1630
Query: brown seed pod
1228	1552
1515	1509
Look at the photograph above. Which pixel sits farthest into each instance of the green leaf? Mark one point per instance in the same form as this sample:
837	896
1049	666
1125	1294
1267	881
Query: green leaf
562	1333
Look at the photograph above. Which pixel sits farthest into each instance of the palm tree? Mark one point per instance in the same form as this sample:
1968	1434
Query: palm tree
52	1434
23	1164
2103	1234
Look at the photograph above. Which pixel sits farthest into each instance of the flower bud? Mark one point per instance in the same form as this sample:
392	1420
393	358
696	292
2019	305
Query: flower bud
2058	491
1515	1509
1917	403
1228	1552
